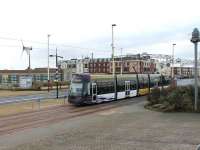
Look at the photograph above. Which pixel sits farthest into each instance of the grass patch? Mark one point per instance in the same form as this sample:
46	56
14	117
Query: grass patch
7	93
15	108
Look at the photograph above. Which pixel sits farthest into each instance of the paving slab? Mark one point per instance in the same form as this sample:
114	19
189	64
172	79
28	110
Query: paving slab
124	128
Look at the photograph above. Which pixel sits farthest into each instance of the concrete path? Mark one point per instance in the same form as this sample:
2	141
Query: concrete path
125	128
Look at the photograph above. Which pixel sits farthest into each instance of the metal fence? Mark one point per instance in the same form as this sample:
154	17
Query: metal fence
185	82
11	107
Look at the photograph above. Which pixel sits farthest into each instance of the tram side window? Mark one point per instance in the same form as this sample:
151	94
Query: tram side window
133	85
152	82
110	87
91	89
104	87
155	81
146	84
85	89
120	85
101	87
143	82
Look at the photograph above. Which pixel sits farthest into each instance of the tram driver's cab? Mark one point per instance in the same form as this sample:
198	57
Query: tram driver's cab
79	89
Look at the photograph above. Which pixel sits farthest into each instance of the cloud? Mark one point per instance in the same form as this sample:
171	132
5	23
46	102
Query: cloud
85	26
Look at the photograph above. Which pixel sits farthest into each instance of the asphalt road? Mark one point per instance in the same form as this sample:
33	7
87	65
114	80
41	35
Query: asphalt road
42	96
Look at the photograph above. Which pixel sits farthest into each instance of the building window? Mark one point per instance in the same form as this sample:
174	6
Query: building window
13	78
44	77
37	77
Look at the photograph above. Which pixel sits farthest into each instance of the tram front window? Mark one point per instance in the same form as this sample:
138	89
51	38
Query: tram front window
76	89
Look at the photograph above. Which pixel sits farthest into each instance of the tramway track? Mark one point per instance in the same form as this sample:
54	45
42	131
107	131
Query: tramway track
49	117
35	112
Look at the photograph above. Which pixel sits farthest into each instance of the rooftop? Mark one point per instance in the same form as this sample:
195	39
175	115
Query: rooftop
36	70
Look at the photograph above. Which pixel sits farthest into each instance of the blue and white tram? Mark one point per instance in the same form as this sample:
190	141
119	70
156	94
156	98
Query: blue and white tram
90	89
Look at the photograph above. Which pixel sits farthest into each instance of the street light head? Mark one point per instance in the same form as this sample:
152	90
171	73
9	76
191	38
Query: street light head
174	44
114	25
195	36
50	55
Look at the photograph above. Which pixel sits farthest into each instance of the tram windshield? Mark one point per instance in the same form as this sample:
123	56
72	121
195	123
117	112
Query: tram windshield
76	89
76	86
79	85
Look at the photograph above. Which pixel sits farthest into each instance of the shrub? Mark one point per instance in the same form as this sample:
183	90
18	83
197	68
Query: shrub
154	96
37	85
172	99
175	98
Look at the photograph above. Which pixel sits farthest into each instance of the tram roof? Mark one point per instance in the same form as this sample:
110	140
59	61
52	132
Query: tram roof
110	76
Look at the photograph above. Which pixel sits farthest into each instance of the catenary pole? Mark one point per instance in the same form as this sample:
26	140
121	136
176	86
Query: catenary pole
56	74
173	45
113	61
121	62
48	62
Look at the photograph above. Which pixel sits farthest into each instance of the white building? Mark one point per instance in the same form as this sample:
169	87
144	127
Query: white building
185	70
74	66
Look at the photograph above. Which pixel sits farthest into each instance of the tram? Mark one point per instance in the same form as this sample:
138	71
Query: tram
91	89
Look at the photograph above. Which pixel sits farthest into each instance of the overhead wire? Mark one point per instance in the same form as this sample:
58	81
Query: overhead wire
45	43
56	45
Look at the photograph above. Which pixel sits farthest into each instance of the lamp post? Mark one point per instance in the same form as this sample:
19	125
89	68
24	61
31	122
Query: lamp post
121	62
92	62
195	39
173	45
48	62
56	70
113	61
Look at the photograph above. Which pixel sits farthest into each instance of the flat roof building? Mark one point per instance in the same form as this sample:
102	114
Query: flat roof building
11	77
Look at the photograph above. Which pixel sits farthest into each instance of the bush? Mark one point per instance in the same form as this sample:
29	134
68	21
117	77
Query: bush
37	85
154	96
175	98
172	99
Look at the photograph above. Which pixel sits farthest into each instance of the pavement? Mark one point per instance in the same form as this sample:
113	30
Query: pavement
36	96
128	127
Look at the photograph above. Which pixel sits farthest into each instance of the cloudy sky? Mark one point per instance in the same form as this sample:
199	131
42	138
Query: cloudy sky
80	27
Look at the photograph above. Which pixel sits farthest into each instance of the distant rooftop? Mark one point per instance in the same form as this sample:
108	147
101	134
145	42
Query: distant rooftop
36	70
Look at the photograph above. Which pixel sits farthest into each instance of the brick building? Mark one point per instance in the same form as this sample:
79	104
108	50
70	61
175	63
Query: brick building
128	64
184	71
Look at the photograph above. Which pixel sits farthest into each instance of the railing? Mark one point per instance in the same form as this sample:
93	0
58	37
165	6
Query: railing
31	99
185	82
11	107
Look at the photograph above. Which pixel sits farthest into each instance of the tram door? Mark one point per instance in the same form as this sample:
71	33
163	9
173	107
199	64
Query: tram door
94	91
127	88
